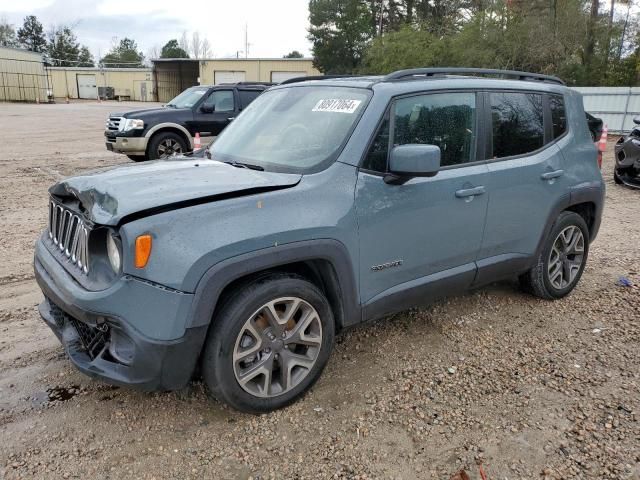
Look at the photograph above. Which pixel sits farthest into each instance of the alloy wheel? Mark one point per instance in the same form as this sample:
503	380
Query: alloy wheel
169	147
566	257
277	347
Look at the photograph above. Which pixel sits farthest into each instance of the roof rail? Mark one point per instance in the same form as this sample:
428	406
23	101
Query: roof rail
268	84
315	77
430	72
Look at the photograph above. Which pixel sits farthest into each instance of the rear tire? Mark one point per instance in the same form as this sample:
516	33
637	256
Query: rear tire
616	178
561	262
268	344
165	145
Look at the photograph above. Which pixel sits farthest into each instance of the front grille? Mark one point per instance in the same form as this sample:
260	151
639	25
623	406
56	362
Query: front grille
70	235
113	123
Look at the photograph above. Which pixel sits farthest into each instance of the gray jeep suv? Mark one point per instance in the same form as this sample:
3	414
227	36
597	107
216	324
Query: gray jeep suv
326	203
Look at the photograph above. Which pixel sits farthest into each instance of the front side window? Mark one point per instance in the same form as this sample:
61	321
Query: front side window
296	129
221	101
518	126
447	120
558	115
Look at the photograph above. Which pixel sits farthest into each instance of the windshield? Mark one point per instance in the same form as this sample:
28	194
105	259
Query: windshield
293	130
188	98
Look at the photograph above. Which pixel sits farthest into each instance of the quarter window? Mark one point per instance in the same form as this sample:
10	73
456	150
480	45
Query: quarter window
446	120
558	116
518	125
376	159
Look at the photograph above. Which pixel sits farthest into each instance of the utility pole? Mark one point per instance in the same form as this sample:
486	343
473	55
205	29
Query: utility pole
246	40
381	17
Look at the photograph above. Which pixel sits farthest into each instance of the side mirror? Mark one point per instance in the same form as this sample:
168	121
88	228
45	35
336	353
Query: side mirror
412	160
636	119
207	108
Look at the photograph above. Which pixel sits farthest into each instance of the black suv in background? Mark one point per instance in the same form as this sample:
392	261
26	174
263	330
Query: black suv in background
162	132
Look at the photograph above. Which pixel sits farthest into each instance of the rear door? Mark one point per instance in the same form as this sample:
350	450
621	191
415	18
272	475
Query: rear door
526	179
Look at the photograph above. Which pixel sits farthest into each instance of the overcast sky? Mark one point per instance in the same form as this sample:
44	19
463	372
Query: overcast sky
275	26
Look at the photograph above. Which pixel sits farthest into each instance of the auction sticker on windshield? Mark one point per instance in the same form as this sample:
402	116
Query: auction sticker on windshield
337	105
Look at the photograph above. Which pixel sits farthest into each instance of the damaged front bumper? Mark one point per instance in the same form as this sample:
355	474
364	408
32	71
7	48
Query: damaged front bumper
104	343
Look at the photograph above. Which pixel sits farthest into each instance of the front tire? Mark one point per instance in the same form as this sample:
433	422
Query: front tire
268	344
561	262
165	145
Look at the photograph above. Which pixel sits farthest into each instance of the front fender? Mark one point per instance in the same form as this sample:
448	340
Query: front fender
222	274
174	126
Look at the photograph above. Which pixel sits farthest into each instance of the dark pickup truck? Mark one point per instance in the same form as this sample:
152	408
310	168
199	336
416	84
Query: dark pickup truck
170	130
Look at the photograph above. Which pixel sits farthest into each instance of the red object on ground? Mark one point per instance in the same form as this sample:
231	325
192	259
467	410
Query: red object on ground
196	142
602	145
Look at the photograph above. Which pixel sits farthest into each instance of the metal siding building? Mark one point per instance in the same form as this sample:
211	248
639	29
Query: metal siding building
23	76
255	70
127	83
172	76
615	105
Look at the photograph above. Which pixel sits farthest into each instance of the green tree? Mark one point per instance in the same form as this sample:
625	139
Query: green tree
124	55
31	35
85	59
568	38
63	48
7	34
340	31
293	54
407	48
173	50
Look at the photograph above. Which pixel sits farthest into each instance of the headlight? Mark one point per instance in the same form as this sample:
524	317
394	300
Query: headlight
131	124
114	253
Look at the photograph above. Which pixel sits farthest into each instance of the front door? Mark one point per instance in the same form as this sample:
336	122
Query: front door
427	231
214	113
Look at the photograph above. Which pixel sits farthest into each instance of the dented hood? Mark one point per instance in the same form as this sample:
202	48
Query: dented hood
109	196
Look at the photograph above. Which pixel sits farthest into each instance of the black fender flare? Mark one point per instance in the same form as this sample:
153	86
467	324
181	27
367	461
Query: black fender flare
591	192
220	275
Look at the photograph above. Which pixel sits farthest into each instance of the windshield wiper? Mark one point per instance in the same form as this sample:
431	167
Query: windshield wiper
245	165
171	105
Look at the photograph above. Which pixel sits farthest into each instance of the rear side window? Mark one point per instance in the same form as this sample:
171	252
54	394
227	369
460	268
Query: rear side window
447	120
247	96
558	116
518	123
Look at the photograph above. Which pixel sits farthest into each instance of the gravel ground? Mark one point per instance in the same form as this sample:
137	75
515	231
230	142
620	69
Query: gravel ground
523	387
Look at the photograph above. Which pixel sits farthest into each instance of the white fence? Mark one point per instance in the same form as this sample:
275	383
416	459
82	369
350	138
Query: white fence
616	106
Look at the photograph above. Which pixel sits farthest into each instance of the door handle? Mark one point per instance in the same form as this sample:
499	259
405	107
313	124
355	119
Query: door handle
552	175
470	192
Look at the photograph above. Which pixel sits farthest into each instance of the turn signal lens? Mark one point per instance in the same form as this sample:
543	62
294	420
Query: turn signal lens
143	250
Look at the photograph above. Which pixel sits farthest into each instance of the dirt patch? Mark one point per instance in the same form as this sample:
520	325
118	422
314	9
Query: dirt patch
529	389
